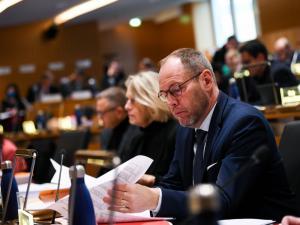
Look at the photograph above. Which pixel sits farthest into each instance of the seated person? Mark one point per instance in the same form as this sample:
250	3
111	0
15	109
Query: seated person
44	87
111	111
114	76
14	105
217	137
254	57
156	136
8	153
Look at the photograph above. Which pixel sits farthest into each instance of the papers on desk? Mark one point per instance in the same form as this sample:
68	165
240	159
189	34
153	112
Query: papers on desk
128	173
245	222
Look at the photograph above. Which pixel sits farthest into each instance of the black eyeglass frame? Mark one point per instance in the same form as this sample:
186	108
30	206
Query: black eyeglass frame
163	95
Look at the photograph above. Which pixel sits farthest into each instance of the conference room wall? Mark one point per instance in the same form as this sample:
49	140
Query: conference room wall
24	45
279	18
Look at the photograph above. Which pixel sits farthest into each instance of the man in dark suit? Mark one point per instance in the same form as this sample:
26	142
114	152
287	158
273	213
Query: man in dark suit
228	133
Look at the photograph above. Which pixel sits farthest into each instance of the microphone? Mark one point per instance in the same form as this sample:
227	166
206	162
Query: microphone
58	184
260	155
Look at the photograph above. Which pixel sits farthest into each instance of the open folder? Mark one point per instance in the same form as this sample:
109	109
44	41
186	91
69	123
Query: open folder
127	173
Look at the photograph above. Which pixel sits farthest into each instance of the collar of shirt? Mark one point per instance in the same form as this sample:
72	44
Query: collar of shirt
205	124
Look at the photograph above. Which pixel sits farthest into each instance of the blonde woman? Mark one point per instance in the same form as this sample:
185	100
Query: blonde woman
157	130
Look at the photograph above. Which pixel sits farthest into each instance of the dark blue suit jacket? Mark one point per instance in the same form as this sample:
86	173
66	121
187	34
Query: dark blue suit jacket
236	131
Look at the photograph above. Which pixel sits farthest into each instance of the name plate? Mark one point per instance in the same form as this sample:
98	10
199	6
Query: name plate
25	218
290	95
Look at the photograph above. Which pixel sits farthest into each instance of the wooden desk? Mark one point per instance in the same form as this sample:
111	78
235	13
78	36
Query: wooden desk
281	112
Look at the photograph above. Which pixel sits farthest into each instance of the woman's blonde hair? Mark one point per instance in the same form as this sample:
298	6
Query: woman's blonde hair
144	88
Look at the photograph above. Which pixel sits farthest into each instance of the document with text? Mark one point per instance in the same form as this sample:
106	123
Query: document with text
127	173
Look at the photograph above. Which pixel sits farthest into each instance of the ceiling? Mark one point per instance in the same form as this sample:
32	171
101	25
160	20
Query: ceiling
29	11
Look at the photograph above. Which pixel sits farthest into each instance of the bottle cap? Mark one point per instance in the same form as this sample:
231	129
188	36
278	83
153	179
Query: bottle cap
79	173
203	197
6	165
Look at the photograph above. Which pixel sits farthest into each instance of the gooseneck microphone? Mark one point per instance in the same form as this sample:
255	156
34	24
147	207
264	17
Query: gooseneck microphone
260	155
58	184
25	153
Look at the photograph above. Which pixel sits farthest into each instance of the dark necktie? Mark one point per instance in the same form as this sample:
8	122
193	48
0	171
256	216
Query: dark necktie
199	167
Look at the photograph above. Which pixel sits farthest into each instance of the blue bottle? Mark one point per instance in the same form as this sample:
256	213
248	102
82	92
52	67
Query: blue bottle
80	200
12	208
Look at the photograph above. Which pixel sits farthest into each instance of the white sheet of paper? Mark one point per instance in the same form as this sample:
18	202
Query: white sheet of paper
245	222
129	173
65	177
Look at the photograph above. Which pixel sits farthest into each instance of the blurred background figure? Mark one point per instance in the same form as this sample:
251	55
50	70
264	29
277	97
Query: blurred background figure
146	64
111	111
157	130
8	153
43	87
114	76
219	56
283	51
14	105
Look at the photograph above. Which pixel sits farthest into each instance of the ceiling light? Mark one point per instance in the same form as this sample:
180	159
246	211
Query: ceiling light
135	22
4	4
81	9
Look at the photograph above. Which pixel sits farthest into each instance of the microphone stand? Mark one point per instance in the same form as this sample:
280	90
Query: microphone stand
25	153
58	186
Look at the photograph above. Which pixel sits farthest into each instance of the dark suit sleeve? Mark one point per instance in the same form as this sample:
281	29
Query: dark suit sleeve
173	197
247	133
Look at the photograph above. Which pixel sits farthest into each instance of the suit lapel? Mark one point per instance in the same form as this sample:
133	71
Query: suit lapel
214	128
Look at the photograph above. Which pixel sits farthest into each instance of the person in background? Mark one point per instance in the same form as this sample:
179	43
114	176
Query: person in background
8	153
146	64
284	52
111	111
13	104
290	220
254	55
217	137
157	130
43	87
114	76
219	56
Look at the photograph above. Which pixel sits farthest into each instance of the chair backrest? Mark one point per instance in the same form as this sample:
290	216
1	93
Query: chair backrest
290	150
70	142
43	169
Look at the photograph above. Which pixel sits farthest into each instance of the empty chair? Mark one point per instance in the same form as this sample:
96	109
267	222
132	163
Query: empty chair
70	142
290	150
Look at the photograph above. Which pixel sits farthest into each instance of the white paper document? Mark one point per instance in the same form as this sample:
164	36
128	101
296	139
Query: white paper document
246	222
127	173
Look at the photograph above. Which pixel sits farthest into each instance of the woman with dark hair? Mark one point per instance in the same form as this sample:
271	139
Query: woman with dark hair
8	150
13	104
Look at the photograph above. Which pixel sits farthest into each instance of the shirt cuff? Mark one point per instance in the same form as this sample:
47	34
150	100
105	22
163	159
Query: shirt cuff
156	210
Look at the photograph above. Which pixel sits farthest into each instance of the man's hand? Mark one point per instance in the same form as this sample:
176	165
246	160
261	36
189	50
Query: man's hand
147	180
129	198
290	220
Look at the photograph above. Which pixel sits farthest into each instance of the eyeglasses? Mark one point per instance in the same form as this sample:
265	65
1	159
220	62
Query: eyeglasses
176	89
99	113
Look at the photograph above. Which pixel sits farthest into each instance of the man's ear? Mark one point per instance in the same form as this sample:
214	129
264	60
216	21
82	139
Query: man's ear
206	78
120	111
